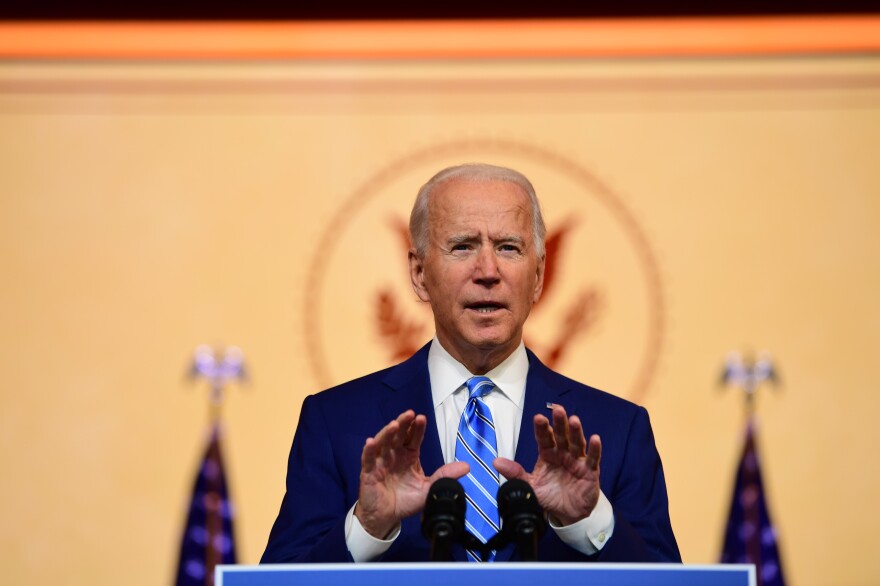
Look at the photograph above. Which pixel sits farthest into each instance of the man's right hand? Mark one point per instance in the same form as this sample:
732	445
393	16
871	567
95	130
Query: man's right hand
393	485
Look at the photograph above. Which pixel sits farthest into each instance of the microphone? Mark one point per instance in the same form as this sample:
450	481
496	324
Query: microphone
443	518
522	518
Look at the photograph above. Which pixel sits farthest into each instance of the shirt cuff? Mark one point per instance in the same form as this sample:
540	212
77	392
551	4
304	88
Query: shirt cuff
589	535
362	546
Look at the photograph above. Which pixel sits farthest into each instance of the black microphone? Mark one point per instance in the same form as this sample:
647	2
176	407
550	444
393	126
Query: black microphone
443	518
522	518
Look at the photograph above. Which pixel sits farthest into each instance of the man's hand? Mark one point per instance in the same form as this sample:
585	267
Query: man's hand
393	485
566	475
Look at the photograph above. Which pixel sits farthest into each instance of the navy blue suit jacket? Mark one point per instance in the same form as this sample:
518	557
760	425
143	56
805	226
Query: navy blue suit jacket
324	466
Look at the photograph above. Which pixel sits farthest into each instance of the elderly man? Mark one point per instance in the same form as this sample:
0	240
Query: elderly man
366	452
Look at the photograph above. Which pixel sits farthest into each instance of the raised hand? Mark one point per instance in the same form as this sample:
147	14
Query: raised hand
393	485
566	476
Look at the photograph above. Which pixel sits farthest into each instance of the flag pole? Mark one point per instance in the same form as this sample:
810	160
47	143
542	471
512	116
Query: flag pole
207	536
750	537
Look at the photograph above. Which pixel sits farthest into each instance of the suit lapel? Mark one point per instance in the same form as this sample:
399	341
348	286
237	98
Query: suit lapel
410	387
542	386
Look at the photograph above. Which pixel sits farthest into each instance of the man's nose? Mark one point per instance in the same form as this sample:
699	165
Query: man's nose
486	269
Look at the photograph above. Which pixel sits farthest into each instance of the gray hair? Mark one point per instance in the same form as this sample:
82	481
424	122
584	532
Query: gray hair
418	219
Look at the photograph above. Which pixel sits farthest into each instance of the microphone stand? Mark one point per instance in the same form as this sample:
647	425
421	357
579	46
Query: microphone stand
522	518
443	518
526	538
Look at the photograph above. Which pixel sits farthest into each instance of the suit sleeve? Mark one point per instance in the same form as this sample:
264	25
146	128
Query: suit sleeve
642	529
311	523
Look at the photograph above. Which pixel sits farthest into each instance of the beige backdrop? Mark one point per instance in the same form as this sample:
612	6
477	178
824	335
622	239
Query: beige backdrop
705	206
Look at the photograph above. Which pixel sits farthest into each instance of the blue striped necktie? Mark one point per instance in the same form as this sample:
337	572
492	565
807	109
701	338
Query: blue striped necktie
476	445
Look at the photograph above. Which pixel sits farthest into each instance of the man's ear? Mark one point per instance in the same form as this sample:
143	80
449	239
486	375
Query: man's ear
417	276
539	281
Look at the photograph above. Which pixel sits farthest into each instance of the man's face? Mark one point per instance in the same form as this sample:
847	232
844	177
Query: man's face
480	273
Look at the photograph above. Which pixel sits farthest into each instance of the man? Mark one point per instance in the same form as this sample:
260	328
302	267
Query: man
478	259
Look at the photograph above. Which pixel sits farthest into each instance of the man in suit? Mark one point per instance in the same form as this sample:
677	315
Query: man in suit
366	452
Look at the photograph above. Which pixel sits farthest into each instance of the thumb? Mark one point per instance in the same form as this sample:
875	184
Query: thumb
510	469
452	470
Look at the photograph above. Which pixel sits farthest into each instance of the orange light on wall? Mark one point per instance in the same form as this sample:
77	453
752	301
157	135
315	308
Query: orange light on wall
420	39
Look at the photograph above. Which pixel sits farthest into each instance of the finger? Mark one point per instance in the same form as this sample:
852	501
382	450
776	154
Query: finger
544	433
388	439
368	456
415	434
452	470
594	453
382	444
404	421
577	442
510	469
386	433
399	438
560	427
391	453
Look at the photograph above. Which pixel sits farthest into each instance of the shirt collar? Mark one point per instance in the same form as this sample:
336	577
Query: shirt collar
448	375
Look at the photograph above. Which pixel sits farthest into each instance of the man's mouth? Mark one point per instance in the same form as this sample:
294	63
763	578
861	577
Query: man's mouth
485	307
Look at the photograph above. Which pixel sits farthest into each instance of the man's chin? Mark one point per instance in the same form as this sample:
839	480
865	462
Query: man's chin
492	341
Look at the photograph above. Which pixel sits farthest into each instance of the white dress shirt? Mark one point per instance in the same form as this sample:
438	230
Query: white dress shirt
450	397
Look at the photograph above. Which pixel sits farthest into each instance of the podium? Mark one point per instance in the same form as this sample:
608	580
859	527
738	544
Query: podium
496	574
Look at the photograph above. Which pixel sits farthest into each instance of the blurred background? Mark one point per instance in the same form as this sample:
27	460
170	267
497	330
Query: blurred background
705	198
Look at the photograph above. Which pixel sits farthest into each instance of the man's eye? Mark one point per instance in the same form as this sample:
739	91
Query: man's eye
461	247
508	248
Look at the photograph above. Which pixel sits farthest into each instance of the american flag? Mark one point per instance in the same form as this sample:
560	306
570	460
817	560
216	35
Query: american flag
207	538
750	537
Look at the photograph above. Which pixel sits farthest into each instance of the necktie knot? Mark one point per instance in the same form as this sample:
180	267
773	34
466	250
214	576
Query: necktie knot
479	386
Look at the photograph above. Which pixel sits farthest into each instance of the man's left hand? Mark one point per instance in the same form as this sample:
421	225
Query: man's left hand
566	475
